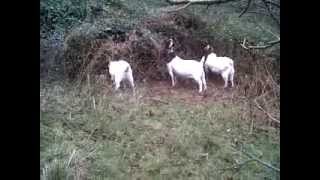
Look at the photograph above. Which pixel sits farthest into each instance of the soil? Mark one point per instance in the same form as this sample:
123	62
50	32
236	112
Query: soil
185	90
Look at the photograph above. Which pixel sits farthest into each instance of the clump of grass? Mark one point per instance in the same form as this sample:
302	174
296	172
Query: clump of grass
55	170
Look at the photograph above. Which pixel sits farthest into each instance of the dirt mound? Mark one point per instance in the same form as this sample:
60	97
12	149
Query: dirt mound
144	47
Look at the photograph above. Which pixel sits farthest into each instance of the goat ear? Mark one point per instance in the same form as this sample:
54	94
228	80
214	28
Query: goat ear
170	43
171	50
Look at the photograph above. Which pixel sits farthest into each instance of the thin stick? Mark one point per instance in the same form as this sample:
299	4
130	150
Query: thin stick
270	76
94	102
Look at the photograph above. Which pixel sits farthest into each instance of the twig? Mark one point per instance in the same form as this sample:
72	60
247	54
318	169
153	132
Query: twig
262	162
251	126
268	114
270	76
159	100
252	119
182	7
89	154
253	158
72	154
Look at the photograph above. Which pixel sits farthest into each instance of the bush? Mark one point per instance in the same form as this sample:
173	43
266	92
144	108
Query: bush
59	15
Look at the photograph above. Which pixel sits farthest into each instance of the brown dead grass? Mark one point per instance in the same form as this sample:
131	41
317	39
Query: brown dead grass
257	77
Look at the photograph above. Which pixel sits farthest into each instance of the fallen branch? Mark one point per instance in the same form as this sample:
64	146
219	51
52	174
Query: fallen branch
260	161
238	165
201	2
270	13
273	3
71	156
251	126
268	114
246	9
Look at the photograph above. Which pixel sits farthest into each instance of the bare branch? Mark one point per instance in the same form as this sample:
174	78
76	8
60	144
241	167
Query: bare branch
258	12
246	9
269	31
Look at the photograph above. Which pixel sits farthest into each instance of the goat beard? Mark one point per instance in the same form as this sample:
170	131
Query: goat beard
127	69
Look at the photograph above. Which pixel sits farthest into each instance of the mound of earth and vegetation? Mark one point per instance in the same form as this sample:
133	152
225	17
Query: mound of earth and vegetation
88	131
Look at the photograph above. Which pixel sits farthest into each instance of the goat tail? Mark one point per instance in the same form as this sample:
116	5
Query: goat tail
232	64
127	69
203	79
202	62
204	75
232	67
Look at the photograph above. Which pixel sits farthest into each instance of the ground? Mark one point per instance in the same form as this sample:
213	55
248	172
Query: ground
185	90
90	131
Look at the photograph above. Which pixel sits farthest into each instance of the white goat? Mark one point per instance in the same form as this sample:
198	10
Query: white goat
187	69
119	71
223	66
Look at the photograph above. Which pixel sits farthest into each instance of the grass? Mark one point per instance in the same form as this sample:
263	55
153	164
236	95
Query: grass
130	137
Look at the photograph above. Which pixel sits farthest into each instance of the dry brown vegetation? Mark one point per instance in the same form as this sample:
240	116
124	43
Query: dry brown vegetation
257	76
